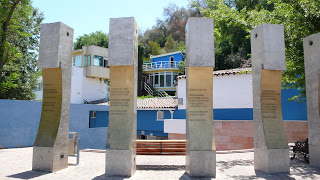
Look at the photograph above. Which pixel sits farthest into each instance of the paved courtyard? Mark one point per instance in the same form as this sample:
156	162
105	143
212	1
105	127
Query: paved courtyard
16	164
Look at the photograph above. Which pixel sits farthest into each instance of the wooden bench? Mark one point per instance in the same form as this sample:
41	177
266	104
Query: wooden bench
161	147
301	148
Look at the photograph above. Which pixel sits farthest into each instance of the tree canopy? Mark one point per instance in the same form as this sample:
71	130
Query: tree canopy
97	38
19	42
234	19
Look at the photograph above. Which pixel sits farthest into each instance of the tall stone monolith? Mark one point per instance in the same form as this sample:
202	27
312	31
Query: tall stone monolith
201	149
123	61
271	151
50	150
311	46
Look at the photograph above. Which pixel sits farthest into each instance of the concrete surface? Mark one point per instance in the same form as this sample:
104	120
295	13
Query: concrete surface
200	42
123	41
268	58
122	127
200	134
311	47
56	42
16	164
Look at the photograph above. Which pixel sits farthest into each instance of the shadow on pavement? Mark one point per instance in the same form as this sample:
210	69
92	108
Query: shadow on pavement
161	167
28	175
103	177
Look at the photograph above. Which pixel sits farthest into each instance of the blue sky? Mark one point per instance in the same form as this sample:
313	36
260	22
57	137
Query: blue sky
86	16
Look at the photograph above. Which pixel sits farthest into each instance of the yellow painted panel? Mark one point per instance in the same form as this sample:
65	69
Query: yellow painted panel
200	121
51	107
271	109
122	114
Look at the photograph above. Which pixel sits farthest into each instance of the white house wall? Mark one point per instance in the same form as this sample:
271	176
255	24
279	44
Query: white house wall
229	91
85	88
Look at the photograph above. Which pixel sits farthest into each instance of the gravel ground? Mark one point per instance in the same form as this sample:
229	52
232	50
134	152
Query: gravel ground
16	164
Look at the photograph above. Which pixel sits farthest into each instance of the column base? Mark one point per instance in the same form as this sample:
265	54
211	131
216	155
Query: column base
201	163
272	160
120	162
314	155
48	159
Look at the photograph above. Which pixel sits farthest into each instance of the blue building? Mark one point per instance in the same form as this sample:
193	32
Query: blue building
162	71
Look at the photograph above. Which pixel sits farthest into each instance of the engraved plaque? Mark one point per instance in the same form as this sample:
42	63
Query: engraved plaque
51	107
271	111
200	93
122	110
200	131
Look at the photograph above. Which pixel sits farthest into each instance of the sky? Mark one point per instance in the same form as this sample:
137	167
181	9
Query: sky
87	16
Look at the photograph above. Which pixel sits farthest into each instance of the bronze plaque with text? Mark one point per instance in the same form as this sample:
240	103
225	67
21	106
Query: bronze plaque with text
200	108
121	112
51	107
271	110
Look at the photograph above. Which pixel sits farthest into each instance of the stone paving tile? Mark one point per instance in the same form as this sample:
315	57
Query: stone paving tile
16	164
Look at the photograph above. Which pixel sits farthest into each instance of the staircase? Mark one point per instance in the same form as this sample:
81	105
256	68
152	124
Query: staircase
153	92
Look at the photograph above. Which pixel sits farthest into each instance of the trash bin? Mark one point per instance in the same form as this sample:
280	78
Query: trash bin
73	143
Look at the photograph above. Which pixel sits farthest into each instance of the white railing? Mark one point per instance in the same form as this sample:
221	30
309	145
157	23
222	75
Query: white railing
161	65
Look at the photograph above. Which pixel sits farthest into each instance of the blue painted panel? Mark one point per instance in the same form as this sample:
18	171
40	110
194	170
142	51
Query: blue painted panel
292	110
101	119
176	58
222	114
147	122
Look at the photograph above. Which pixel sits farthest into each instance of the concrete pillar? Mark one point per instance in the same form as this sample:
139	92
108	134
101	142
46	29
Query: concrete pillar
201	149
311	46
271	151
123	61
50	150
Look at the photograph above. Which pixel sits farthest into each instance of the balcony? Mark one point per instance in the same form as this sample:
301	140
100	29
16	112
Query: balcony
98	72
160	65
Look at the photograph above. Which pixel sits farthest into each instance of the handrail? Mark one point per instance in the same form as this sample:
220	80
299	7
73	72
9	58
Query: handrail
161	65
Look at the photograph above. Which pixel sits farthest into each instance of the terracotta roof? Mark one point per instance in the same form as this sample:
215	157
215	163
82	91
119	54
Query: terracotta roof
226	72
155	103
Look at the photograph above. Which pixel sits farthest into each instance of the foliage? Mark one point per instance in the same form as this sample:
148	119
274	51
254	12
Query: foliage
97	38
19	41
168	33
144	97
182	67
141	50
234	19
154	48
169	45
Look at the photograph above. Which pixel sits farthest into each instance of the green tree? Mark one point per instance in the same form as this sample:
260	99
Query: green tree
19	37
300	18
154	48
141	51
97	38
169	45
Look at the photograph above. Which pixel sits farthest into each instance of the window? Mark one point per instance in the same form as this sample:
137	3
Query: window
156	80
94	114
168	79
86	60
172	61
89	60
160	115
98	61
151	80
77	60
161	79
106	63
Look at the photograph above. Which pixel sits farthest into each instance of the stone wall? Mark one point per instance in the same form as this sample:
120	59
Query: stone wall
238	134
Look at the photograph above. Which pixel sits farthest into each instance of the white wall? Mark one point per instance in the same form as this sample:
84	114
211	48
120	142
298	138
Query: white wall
229	91
175	126
85	88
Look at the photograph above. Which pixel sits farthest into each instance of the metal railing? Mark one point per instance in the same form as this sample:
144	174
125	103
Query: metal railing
153	92
161	65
